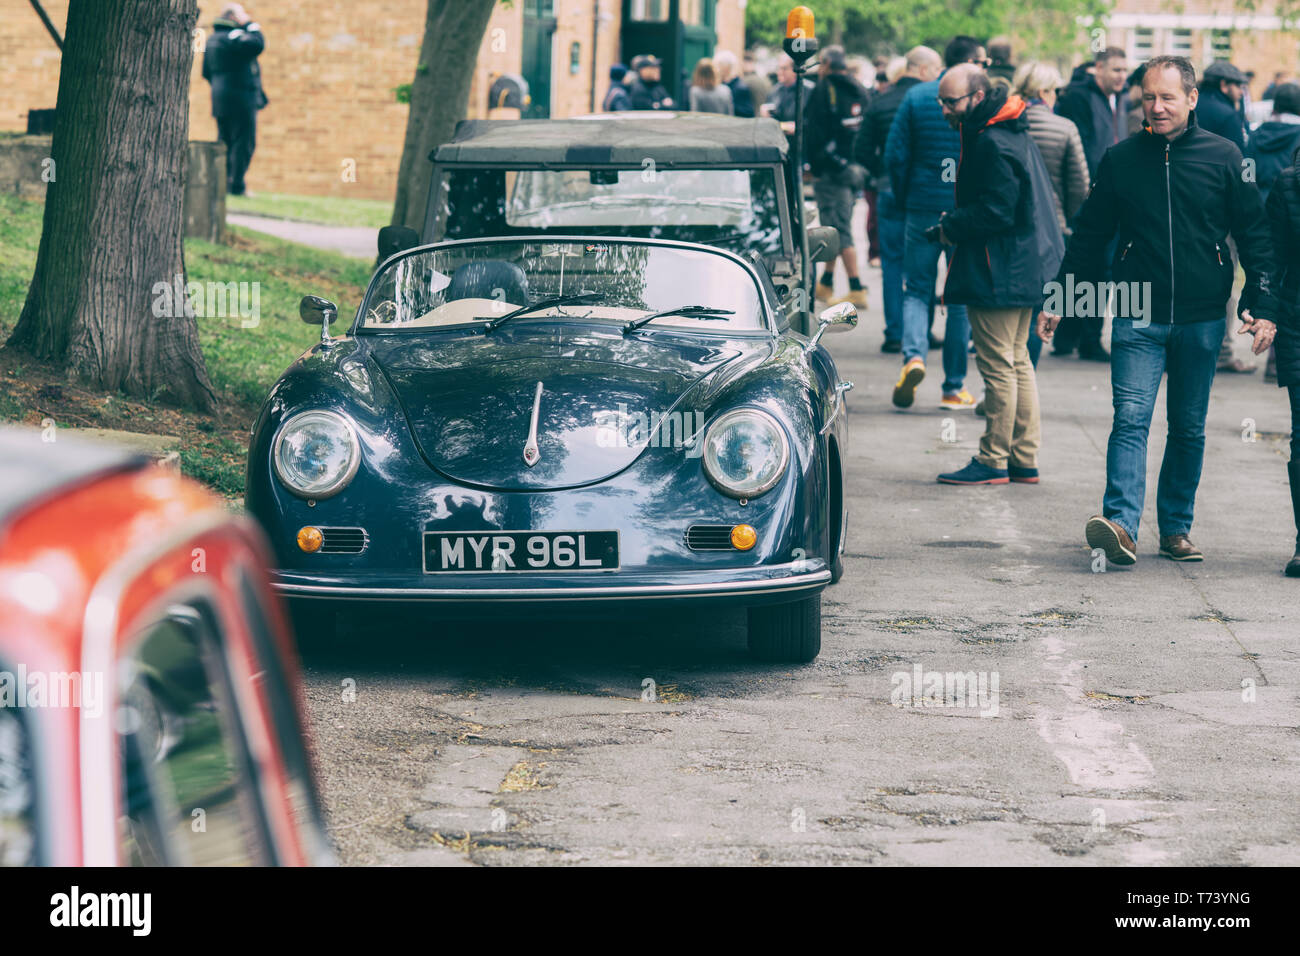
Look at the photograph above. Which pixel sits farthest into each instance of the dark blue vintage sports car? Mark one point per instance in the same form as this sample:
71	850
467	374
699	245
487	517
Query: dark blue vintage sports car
564	421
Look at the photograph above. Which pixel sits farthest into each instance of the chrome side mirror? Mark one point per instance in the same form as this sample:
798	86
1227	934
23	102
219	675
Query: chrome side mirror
315	310
845	314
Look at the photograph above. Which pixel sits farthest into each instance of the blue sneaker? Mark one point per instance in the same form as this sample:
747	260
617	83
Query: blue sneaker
975	474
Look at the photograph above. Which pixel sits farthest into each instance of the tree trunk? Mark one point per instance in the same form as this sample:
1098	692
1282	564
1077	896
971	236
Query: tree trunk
453	31
113	213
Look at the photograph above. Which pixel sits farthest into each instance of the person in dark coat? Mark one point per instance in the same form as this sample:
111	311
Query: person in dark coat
1218	110
645	91
1273	143
1283	210
1174	193
832	120
1093	102
728	67
230	66
1008	245
618	98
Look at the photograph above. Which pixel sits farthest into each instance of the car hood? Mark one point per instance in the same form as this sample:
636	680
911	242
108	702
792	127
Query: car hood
469	398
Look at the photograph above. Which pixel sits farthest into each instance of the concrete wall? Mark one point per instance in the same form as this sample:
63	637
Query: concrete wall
27	170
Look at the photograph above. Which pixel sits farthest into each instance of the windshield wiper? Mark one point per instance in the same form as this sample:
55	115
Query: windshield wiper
577	298
693	311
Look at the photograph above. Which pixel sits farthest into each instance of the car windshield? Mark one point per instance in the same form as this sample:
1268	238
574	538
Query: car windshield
734	207
474	283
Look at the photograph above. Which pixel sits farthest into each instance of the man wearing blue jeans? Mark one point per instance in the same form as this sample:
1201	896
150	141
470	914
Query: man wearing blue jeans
921	154
1175	193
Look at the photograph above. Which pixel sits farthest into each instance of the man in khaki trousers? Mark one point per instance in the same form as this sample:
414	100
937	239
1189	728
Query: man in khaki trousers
1008	245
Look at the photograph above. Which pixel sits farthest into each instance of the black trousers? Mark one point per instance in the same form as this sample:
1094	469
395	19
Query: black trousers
239	132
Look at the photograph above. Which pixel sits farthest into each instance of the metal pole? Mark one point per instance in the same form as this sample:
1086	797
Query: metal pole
805	320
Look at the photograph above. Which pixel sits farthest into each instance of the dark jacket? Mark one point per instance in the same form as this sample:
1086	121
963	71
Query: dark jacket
1216	114
831	121
1272	146
1004	227
1058	141
230	65
617	99
1084	104
647	97
742	100
782	100
869	146
1283	211
1174	205
922	151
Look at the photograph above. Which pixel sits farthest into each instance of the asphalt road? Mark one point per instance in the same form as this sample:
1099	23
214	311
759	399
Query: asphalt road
1136	716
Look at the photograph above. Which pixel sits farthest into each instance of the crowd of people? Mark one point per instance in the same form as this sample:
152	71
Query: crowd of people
1128	194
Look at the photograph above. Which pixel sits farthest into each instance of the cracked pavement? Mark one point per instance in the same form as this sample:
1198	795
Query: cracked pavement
1142	716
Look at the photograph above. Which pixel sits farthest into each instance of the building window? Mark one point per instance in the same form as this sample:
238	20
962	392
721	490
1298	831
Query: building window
1144	44
539	8
648	10
1220	44
1180	42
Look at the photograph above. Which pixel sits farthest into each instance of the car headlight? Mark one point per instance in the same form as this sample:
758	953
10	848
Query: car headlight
316	453
745	452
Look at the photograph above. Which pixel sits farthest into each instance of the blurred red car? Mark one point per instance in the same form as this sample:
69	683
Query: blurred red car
150	708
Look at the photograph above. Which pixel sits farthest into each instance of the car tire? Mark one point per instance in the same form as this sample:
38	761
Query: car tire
786	633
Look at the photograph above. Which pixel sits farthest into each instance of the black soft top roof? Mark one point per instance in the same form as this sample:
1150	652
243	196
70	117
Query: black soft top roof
622	139
32	469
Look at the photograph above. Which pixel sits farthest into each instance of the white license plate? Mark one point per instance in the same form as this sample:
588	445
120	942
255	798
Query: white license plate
520	551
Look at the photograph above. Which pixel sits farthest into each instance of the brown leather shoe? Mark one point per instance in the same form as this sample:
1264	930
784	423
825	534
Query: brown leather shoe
1112	539
1179	548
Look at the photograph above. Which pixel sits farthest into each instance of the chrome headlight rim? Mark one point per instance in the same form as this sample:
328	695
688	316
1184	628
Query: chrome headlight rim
746	411
344	478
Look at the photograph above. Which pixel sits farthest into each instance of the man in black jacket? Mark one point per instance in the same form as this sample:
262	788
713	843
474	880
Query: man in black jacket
831	124
923	65
1008	244
645	91
230	65
1175	193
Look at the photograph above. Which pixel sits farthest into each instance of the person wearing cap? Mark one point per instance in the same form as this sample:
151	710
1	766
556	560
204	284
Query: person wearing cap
834	116
645	91
507	96
618	98
1219	109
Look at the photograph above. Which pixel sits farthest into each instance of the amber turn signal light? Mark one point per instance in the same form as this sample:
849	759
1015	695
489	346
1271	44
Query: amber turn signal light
799	24
310	539
743	537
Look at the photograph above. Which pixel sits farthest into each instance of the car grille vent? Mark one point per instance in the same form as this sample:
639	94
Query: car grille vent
343	540
709	537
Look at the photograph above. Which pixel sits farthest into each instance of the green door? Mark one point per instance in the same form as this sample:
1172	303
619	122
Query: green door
539	35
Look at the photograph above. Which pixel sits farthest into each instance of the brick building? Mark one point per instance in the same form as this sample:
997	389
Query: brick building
1207	30
331	69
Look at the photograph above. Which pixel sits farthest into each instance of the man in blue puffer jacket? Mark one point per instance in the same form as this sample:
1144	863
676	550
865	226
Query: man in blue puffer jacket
921	155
